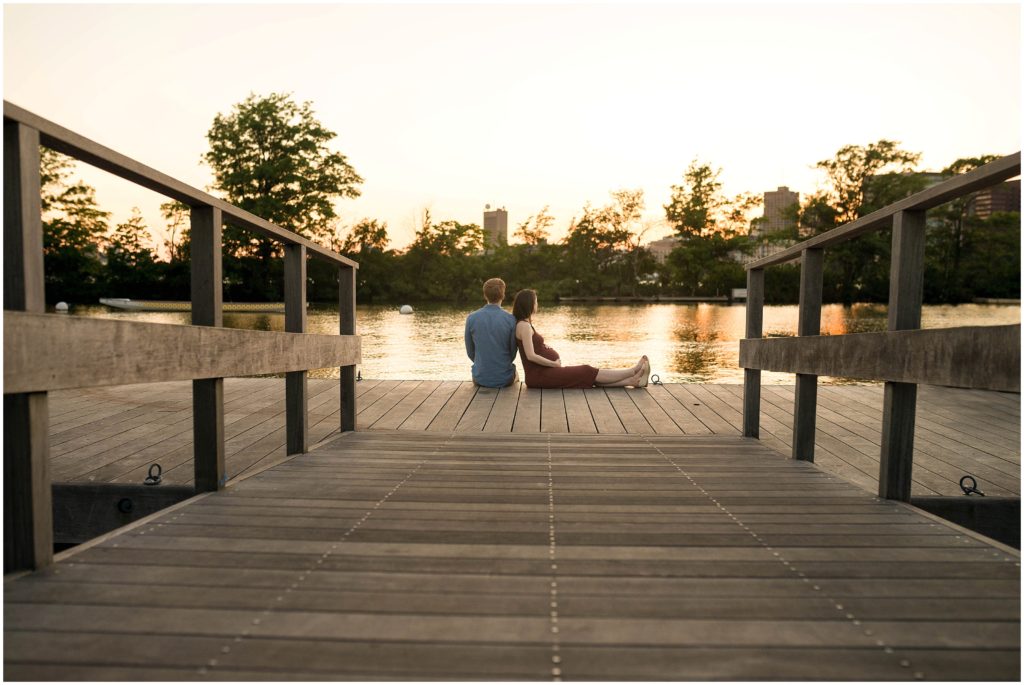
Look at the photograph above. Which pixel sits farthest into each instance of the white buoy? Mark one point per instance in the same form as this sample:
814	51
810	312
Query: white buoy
62	306
405	309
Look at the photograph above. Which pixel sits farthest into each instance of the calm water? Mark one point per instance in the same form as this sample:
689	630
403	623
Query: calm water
686	343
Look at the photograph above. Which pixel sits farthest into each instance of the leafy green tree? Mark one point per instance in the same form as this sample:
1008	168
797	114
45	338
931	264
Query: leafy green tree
367	235
535	230
851	170
132	269
948	236
861	179
73	229
714	231
443	263
176	272
271	156
991	257
367	243
598	246
705	265
177	216
696	203
449	238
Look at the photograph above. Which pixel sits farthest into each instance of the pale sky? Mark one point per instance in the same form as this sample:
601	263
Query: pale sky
451	107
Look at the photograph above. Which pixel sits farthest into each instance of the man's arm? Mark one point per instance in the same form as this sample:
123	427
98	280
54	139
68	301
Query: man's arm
513	348
470	347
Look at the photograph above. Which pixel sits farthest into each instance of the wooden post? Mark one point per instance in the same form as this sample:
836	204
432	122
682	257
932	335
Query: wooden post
752	377
207	310
806	401
906	292
296	417
347	318
28	501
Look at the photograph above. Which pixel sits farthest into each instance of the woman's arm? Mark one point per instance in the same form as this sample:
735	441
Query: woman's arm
524	332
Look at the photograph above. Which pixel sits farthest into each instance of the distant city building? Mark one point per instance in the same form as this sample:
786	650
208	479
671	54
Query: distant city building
1004	197
495	227
778	216
778	211
660	248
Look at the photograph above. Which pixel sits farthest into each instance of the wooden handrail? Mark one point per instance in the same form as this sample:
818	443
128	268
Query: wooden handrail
45	352
980	355
134	352
74	145
983	177
932	356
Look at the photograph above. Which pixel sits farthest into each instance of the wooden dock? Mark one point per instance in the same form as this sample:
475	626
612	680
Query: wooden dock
113	434
440	554
480	534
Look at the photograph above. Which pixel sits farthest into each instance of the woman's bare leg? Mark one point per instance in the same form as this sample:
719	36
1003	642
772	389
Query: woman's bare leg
617	377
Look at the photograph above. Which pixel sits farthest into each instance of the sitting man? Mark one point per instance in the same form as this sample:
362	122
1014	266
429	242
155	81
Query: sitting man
491	339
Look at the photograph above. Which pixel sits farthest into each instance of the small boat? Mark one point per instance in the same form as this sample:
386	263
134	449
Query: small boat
179	306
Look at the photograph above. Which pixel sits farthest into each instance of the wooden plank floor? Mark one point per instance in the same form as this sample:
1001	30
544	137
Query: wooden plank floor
450	555
114	434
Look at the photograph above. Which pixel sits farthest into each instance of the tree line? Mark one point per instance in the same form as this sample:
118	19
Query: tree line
270	156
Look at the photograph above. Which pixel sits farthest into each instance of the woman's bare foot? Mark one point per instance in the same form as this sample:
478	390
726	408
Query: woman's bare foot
639	379
644	375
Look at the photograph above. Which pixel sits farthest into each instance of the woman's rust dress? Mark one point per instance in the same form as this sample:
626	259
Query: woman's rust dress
538	376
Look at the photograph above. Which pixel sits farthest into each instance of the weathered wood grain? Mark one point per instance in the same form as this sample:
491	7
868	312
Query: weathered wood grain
606	420
503	412
979	357
23	228
52	351
28	516
347	326
451	413
957	431
425	555
528	413
475	417
429	409
752	377
553	418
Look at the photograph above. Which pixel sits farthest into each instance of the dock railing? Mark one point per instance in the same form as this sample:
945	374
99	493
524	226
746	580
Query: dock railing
46	352
980	357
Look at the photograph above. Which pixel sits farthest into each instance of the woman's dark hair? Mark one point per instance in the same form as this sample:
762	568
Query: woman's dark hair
524	304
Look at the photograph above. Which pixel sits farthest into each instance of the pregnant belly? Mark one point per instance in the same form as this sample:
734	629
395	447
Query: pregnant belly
547	352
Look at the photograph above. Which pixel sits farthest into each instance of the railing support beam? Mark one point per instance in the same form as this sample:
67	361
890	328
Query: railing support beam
347	320
28	503
806	400
296	415
207	310
906	294
752	377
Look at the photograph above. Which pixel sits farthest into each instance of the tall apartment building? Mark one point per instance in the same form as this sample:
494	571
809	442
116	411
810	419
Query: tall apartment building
777	216
495	227
1004	197
777	211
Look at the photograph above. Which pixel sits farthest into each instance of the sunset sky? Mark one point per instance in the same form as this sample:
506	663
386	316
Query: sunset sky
451	107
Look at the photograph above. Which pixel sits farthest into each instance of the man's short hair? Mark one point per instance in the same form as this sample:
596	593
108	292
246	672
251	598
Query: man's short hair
494	290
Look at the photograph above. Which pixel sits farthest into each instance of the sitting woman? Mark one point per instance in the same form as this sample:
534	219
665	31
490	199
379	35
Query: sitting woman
543	366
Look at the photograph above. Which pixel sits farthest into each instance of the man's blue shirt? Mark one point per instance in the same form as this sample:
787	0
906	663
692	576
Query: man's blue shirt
491	344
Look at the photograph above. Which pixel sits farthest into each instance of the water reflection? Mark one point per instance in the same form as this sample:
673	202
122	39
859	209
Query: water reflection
686	342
